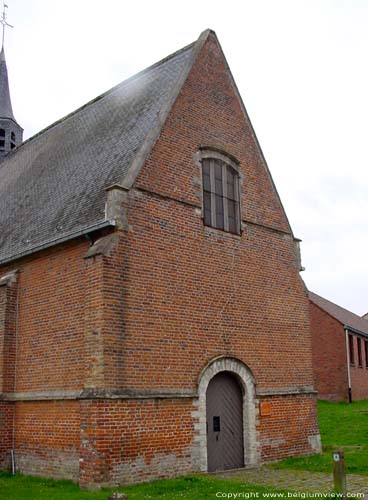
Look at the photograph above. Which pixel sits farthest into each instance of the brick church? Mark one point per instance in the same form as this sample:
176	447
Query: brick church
153	321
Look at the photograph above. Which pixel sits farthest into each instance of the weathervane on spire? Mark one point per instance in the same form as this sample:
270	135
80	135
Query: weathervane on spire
4	22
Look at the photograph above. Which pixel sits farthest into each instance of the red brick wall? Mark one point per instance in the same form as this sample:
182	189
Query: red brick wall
217	295
329	355
3	301
136	440
50	347
42	348
8	308
359	374
47	438
6	433
280	434
8	318
330	360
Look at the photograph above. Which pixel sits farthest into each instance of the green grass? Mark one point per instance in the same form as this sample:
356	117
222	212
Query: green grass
21	487
342	426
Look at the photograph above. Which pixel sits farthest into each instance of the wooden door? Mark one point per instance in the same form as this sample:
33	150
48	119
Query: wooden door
224	406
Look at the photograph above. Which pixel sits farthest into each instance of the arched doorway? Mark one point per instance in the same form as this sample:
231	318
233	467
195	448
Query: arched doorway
224	415
244	378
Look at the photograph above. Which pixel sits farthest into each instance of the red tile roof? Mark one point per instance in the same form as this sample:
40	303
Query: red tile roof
347	318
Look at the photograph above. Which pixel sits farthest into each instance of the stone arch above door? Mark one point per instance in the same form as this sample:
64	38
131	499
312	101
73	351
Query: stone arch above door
247	382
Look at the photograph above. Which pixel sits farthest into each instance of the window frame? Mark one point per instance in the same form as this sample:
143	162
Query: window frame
215	157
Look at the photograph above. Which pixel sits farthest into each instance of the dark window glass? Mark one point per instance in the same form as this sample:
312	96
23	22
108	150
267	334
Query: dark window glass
2	144
2	132
351	349
220	195
219	212
230	178
12	136
12	145
206	176
207	208
231	208
218	178
359	344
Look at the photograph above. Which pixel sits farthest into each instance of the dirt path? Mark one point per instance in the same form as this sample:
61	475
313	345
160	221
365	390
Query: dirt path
296	480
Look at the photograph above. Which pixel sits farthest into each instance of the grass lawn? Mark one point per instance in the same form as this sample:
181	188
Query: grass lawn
342	426
188	488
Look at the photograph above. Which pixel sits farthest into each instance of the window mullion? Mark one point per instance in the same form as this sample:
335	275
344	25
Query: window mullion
224	196
237	204
213	197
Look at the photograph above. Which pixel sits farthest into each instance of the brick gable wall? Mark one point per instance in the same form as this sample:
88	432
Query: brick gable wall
330	359
329	355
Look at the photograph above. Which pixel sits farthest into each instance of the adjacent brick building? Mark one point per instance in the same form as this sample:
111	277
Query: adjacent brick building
340	351
148	272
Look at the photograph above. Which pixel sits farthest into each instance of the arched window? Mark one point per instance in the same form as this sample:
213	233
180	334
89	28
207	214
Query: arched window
220	182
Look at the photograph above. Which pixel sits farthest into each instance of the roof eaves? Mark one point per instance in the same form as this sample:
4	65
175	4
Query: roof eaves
354	330
59	239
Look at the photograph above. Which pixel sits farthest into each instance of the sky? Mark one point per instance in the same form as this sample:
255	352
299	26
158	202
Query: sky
300	66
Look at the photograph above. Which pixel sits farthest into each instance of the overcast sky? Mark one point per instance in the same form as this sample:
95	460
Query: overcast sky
301	68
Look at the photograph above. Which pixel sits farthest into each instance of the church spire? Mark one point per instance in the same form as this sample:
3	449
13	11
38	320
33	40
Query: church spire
11	134
6	110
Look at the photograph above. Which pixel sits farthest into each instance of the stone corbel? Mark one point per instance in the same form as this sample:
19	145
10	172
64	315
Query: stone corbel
9	278
103	246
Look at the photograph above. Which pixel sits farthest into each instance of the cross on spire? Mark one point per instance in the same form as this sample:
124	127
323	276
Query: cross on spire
4	22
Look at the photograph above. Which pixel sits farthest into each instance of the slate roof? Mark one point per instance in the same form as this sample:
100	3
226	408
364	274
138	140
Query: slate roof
347	318
53	185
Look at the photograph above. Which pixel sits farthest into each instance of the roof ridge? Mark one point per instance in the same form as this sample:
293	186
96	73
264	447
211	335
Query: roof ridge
107	92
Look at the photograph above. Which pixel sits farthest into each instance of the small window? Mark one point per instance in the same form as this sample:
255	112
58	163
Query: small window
359	344
2	132
351	349
366	353
12	136
12	145
2	144
221	207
